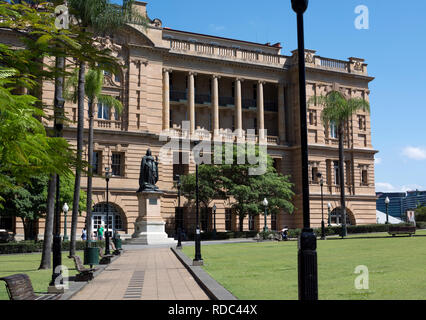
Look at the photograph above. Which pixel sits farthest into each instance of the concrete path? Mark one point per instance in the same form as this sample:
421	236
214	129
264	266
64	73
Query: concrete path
144	274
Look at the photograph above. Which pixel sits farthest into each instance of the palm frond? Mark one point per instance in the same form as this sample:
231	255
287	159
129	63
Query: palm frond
93	84
111	101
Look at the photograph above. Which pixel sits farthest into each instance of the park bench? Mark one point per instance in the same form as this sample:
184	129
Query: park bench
394	230
105	258
84	274
19	287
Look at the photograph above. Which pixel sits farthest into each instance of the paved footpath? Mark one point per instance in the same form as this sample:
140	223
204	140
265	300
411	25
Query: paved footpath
147	274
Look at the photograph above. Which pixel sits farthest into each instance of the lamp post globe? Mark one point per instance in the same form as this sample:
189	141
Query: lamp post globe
299	6
65	209
265	204
387	201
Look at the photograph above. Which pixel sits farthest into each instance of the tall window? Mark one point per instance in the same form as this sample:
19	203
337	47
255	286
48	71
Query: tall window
228	219
274	221
336	173
364	177
104	112
180	163
333	130
99	214
361	123
313	117
314	172
117	163
251	222
97	162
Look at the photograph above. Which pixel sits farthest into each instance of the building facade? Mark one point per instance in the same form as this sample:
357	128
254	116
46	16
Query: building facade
224	87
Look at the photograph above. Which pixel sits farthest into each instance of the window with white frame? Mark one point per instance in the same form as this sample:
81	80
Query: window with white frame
333	130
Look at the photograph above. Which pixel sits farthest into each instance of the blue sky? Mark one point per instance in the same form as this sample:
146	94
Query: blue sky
394	47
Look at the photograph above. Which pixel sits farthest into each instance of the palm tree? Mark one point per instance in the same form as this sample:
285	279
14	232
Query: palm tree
338	111
101	17
93	88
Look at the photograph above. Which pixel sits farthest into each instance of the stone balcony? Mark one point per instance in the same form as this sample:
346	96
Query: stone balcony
352	65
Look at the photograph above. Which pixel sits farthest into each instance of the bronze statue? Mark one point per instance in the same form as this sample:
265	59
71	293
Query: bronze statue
148	176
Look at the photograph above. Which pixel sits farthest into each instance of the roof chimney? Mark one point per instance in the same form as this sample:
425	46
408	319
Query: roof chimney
140	7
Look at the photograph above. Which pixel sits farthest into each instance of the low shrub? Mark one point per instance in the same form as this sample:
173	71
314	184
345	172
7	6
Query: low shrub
37	246
421	224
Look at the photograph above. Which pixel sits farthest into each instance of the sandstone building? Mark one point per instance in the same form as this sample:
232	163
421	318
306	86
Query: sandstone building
223	85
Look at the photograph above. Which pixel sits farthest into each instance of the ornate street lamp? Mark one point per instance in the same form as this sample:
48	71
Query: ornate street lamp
329	214
307	255
107	177
179	227
214	221
265	204
197	259
65	209
319	175
387	206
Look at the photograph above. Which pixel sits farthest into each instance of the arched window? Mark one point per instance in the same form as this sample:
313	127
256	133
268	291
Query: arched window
337	219
99	217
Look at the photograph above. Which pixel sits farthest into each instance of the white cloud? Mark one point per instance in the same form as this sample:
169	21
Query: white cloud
217	28
414	153
377	160
387	187
384	187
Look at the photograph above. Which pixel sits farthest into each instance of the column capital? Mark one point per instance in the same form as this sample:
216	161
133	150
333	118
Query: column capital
192	73
215	76
239	79
168	70
138	62
261	82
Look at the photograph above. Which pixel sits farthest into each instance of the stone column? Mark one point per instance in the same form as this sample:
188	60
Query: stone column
166	99
238	108
215	105
281	113
191	101
260	111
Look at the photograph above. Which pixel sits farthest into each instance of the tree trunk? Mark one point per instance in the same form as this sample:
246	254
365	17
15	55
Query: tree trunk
90	173
48	229
342	180
80	128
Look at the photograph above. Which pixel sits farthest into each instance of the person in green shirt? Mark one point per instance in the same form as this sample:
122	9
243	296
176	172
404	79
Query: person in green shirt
100	232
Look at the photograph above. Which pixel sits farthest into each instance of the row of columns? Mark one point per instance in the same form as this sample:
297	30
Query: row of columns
215	105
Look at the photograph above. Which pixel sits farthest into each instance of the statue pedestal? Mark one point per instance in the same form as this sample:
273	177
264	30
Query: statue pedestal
149	226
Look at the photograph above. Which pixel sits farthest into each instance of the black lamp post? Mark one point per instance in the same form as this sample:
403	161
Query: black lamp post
107	177
329	214
65	209
214	221
307	255
387	206
179	226
265	204
319	175
197	259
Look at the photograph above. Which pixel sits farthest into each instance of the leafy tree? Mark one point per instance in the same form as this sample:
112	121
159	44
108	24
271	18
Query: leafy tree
29	201
247	191
210	185
339	110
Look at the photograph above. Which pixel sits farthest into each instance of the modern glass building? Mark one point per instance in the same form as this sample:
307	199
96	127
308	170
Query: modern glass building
400	202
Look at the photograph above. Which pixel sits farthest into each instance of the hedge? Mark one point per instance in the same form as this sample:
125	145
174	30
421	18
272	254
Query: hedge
223	235
33	246
421	224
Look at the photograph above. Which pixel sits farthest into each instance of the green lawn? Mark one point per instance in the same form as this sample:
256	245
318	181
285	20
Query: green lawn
29	263
268	270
